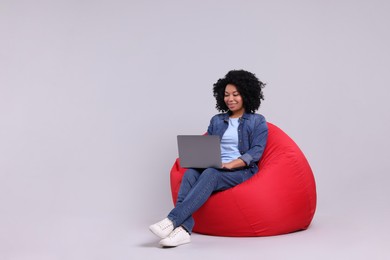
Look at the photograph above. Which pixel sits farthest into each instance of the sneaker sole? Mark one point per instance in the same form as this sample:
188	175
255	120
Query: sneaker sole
186	241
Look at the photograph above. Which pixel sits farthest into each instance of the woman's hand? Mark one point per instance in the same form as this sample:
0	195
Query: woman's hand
237	163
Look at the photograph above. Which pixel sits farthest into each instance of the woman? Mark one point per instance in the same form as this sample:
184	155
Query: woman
243	137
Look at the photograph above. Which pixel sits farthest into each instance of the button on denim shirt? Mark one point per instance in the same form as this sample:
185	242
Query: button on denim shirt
252	136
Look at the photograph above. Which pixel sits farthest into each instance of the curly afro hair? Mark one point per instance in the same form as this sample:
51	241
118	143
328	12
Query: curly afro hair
246	83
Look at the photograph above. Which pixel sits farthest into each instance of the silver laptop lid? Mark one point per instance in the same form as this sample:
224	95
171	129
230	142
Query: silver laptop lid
199	151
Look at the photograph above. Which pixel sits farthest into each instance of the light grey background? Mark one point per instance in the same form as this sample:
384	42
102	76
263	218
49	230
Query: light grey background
93	94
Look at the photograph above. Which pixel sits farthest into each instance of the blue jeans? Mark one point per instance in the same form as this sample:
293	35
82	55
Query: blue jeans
196	187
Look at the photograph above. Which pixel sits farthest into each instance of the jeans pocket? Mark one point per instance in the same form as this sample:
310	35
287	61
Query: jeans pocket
246	175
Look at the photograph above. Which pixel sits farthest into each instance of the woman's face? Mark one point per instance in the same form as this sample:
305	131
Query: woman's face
233	100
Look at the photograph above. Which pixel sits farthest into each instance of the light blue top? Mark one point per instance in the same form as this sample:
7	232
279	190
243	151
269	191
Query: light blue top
252	136
229	142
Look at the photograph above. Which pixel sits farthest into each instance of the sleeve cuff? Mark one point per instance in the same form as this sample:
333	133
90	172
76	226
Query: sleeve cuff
247	158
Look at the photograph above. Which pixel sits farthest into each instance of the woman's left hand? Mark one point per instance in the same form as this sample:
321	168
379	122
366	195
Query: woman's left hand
238	163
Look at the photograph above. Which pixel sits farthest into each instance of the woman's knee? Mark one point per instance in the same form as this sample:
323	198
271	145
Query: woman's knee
191	175
211	173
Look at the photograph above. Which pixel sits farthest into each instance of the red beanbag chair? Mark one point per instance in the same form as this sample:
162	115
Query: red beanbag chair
279	199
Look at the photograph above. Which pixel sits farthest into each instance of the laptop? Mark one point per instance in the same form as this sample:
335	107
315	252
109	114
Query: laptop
199	151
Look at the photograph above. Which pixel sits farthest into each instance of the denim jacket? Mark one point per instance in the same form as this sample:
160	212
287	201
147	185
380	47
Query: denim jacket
252	136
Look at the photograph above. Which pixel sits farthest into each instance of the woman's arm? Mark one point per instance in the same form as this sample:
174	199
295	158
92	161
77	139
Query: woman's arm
258	142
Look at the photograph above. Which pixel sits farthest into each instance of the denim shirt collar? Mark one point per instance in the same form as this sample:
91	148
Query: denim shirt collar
227	115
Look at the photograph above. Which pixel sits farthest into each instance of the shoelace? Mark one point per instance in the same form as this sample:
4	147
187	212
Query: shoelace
164	225
175	232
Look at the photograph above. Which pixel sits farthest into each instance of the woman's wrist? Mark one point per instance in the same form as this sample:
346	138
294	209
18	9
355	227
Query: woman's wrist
237	163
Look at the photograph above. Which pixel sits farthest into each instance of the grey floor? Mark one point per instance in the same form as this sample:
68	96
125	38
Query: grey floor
329	237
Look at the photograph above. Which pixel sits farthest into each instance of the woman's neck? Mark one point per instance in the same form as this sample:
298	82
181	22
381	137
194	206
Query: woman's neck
237	114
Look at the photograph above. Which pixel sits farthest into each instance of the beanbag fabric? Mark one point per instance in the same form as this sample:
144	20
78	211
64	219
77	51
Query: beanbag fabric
279	199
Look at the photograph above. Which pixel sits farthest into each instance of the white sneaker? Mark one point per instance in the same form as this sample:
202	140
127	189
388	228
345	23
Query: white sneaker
178	237
163	228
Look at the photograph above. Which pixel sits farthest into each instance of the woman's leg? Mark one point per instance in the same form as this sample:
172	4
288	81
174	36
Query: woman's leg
188	181
164	227
209	181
